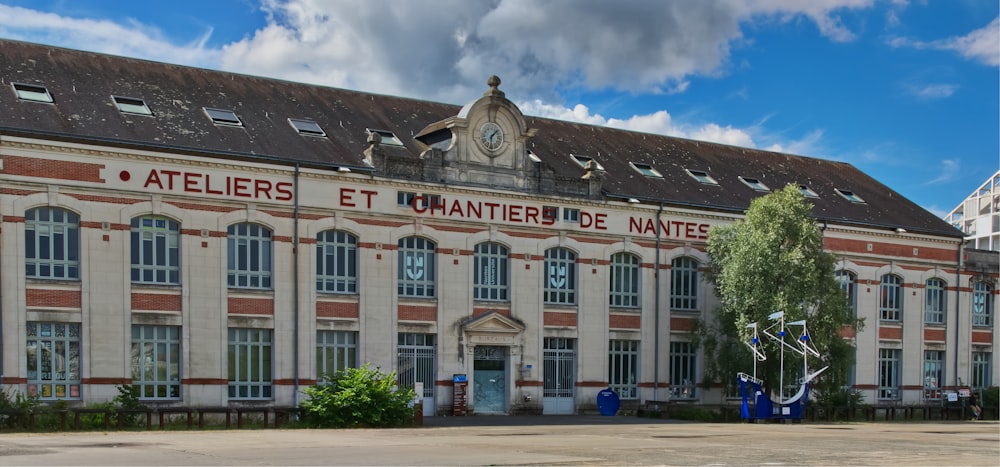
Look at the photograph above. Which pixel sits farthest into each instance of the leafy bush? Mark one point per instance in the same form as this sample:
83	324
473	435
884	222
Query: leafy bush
358	397
840	397
991	399
128	399
16	401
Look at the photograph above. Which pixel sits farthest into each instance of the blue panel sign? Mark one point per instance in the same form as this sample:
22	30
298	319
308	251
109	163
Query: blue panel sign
608	402
459	378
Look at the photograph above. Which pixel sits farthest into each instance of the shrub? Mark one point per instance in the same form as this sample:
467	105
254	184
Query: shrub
358	397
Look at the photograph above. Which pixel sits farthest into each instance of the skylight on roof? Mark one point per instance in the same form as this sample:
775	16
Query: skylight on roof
701	176
131	106
646	169
223	117
388	137
306	127
583	160
849	195
32	92
807	192
754	183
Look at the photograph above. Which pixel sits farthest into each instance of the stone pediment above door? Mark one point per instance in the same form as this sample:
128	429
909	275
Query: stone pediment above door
492	328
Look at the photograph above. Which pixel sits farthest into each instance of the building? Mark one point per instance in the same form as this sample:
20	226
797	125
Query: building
979	216
216	239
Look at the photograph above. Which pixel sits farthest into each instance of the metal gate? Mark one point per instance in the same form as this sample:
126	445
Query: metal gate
558	364
416	354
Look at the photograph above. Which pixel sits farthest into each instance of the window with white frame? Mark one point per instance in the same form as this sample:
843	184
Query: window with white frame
405	199
624	290
416	272
848	283
623	368
571	215
336	262
156	361
155	245
982	304
933	374
982	370
684	284
53	360
891	298
683	370
491	276
560	276
336	351
251	359
51	243
889	368
249	256
935	302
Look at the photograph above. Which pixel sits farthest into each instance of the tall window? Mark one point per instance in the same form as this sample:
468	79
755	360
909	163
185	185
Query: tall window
491	275
336	262
891	301
335	351
416	267
889	367
684	284
52	243
53	353
415	355
848	283
560	276
624	280
683	370
982	304
623	368
156	361
982	374
936	301
155	250
249	256
250	363
933	374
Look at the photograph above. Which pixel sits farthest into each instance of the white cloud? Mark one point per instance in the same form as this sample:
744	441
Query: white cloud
949	169
981	45
932	91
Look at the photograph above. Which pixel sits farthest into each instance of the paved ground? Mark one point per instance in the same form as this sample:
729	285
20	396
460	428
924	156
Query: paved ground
578	440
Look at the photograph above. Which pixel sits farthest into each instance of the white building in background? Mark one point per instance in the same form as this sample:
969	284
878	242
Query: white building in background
979	216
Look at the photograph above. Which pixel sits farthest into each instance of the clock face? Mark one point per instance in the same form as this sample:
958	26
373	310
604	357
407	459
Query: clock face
491	135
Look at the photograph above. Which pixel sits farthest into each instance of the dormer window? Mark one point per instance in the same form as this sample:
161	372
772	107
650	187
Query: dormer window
849	195
807	192
32	92
754	183
583	160
223	117
646	169
130	105
306	127
701	176
388	138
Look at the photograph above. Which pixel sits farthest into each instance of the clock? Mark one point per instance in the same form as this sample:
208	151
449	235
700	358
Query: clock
491	135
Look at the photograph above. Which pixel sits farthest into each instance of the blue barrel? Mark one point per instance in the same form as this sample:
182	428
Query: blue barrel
608	402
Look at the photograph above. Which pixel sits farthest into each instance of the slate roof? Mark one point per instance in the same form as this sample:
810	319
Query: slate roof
82	84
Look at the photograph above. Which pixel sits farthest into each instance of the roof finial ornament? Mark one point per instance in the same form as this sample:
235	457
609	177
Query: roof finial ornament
494	83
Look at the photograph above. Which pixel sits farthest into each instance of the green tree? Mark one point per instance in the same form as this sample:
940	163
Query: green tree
358	397
772	261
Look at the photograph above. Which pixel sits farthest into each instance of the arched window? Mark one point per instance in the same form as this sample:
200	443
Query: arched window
155	245
416	272
848	283
891	298
936	301
982	304
51	243
684	284
249	256
491	276
624	289
560	276
336	262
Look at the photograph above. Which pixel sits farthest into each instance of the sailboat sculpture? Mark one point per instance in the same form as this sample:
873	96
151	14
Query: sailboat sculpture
757	404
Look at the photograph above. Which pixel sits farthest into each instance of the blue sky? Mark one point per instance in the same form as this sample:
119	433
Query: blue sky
908	91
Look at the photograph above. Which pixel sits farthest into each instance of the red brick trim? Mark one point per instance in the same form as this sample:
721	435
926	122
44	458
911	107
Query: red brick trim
53	169
895	333
528	384
337	310
156	301
416	313
383	223
558	318
934	335
679	323
52	298
14	380
591	384
250	306
106	381
622	321
206	381
982	337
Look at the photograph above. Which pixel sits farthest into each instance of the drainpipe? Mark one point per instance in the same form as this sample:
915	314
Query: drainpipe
295	285
656	310
958	310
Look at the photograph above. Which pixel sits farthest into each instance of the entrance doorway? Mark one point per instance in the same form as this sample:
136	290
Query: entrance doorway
558	366
489	379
